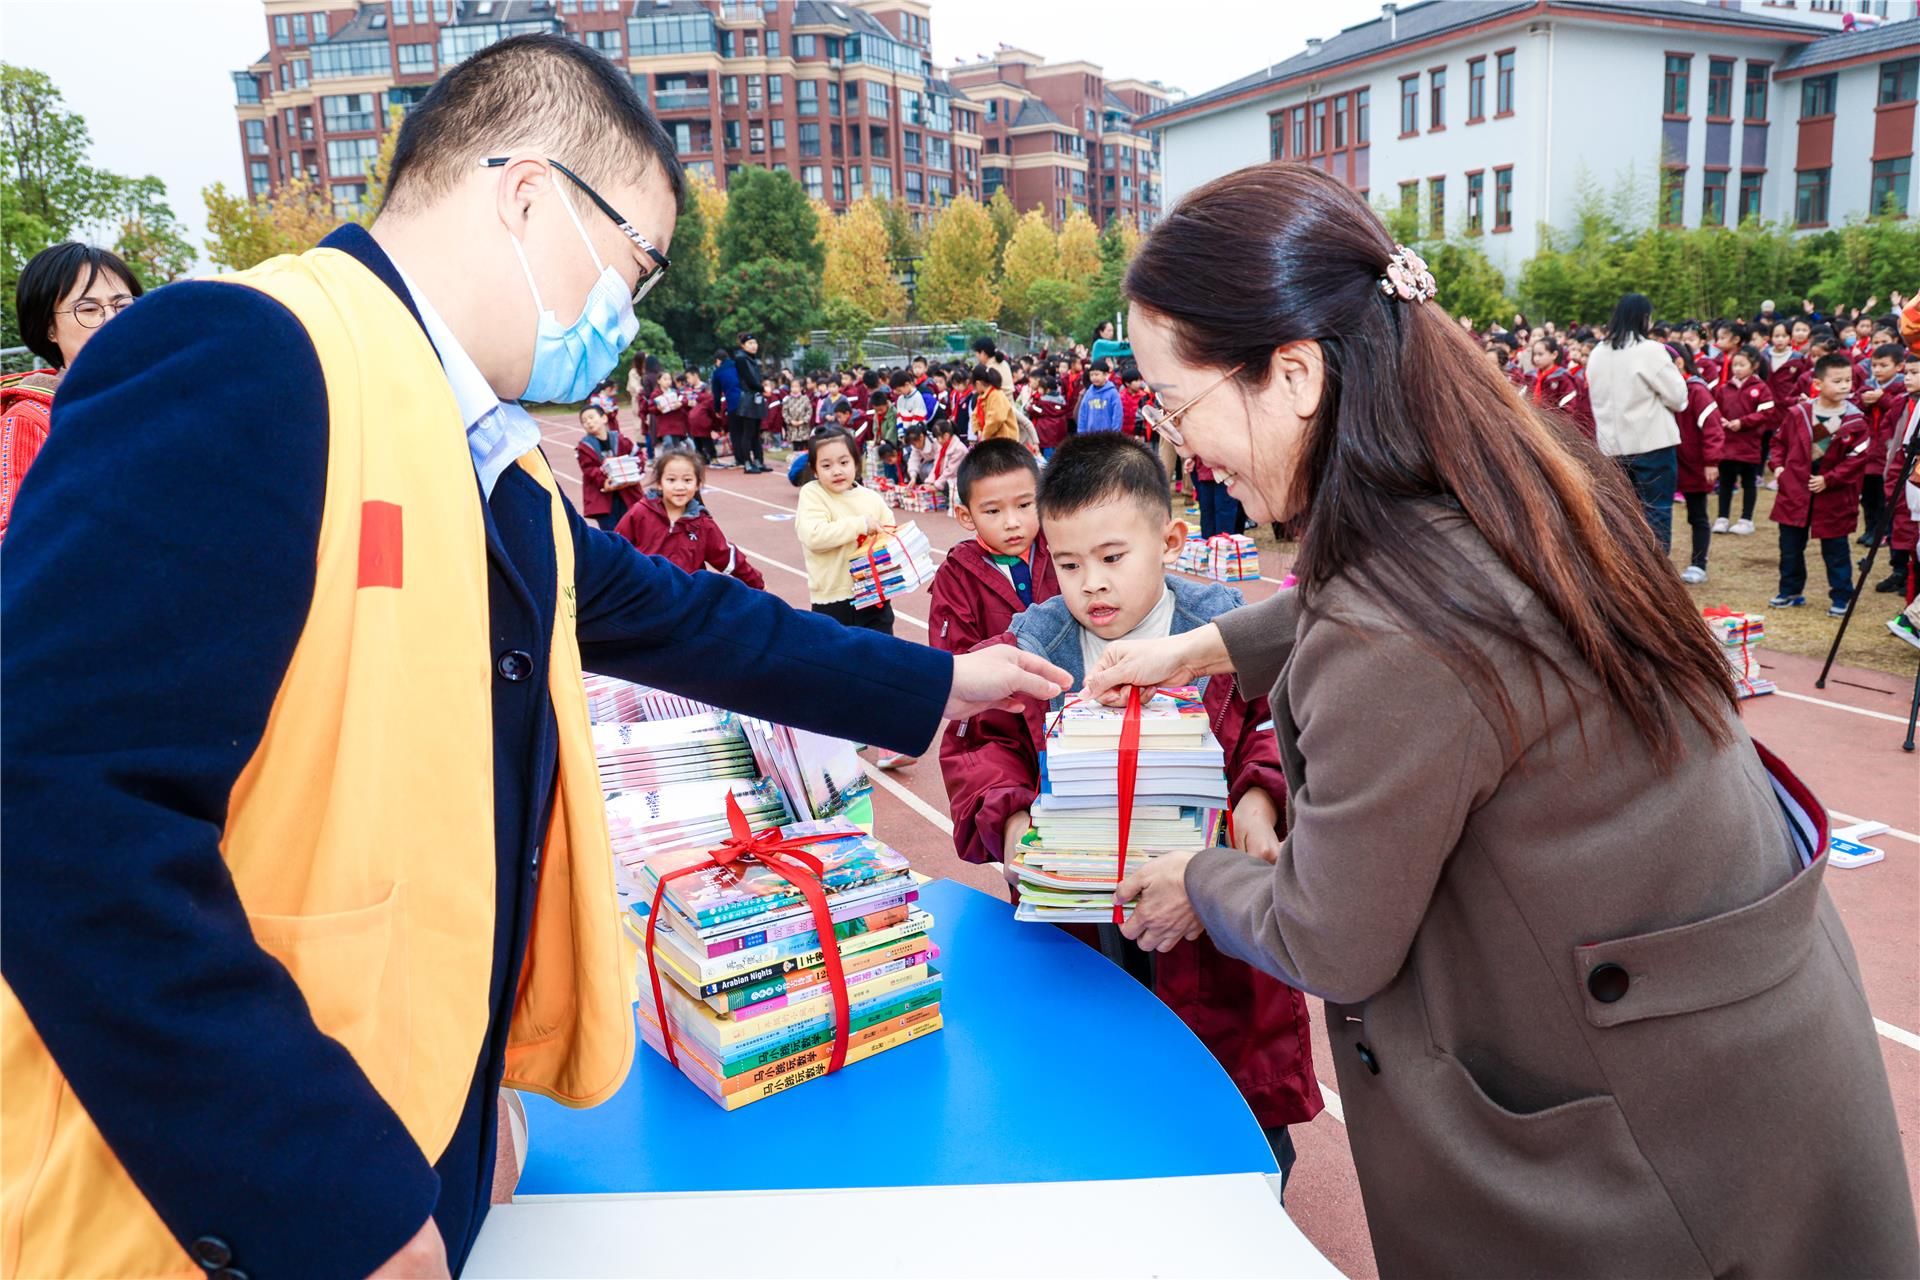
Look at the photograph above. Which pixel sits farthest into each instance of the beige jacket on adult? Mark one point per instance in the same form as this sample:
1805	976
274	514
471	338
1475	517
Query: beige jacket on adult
1727	1114
1635	391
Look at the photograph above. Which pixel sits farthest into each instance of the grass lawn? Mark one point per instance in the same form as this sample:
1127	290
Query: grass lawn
1743	574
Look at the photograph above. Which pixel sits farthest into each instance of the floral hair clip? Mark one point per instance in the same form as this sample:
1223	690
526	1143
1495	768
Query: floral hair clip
1407	277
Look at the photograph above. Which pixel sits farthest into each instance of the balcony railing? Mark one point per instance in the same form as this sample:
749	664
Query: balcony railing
684	101
741	11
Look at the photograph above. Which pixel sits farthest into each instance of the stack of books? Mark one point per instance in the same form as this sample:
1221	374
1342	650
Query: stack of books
1738	633
644	821
623	471
651	753
896	564
1232	557
1069	864
742	969
612	701
1193	555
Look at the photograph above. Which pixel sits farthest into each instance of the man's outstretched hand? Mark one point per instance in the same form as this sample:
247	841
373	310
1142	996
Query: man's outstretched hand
1000	677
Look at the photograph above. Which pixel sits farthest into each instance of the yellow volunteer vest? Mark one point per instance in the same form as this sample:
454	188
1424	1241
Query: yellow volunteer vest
360	836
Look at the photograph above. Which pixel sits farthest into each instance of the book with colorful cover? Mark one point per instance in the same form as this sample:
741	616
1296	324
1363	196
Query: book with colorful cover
1171	714
812	984
912	949
810	1065
752	1054
710	976
692	1017
718	895
795	922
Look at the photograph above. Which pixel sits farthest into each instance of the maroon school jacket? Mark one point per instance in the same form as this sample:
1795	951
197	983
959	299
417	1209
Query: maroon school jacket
970	599
1835	510
1747	412
1254	1024
693	542
1556	388
595	501
1049	414
668	422
1784	375
1701	439
1885	417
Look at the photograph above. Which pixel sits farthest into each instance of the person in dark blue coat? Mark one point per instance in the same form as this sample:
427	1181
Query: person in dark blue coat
147	642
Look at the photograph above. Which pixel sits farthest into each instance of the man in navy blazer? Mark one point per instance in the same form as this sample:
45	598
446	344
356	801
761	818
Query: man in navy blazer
157	577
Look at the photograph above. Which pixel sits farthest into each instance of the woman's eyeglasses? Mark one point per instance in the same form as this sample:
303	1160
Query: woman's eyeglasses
90	314
1166	425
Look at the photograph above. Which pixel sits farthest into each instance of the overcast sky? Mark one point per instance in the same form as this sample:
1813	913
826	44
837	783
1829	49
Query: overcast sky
150	76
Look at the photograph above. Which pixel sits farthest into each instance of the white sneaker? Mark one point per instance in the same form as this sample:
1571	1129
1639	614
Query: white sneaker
1693	573
1743	527
1720	525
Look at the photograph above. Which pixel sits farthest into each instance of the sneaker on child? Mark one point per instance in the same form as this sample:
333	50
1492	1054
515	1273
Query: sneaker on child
1837	610
1720	525
1742	527
1787	602
1903	627
1693	573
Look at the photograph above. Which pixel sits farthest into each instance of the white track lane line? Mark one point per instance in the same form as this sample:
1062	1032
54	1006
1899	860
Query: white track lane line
908	798
1848	819
1899	1035
1841	706
1332	1100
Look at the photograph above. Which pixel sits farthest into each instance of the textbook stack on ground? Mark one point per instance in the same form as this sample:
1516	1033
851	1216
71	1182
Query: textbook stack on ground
743	974
613	701
644	821
893	565
1193	555
1738	634
1069	863
1232	557
651	753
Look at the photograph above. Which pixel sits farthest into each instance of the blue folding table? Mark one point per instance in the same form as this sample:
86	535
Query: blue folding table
1053	1066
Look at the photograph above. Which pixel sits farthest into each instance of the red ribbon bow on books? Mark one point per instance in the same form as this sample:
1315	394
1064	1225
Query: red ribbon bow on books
1722	611
786	856
879	575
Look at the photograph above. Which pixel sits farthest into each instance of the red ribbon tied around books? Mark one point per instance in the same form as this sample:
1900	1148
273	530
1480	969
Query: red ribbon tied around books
786	856
1722	611
879	577
1129	773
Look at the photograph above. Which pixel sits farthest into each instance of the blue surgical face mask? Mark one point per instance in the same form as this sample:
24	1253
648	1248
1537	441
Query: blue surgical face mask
570	360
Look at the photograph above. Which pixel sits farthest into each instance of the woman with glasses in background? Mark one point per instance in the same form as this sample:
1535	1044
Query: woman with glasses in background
65	294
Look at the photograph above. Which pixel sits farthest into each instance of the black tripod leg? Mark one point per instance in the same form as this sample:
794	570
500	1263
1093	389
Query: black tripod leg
1913	713
1873	551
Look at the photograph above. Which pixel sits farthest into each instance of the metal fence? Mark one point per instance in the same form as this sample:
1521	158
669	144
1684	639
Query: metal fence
897	344
18	360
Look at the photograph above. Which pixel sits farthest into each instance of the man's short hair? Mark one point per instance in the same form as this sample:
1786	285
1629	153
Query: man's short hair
530	93
1100	467
993	458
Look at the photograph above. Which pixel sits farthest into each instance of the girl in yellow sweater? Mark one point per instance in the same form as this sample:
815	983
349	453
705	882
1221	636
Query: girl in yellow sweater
835	513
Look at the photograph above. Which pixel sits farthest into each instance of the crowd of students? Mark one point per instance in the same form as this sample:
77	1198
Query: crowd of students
1815	408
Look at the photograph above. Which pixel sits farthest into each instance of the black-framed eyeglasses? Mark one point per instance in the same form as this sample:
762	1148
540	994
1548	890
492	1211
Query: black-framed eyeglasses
661	261
89	314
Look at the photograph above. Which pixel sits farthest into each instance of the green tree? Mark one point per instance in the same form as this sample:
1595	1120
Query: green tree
1080	258
150	239
1032	254
956	278
904	240
382	165
249	231
859	269
682	303
1052	304
847	323
769	216
1105	296
1005	219
650	340
773	298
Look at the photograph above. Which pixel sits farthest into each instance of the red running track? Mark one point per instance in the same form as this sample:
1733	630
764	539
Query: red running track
1843	740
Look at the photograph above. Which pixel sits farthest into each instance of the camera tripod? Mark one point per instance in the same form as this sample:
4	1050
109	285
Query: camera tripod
1866	571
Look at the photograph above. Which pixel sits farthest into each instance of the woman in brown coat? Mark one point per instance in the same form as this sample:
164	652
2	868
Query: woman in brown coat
1591	1010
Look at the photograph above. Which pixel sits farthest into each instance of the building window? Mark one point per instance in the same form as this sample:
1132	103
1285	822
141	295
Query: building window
939	153
604	42
1750	195
833	132
1437	202
299	28
347	198
1299	133
1816	96
1890	185
810	140
773	44
807	97
1720	89
300	65
833	97
1713	197
1360	104
280	30
443	10
337	61
420	10
854	135
857	181
1476	195
1673	197
347	112
729	91
805	46
777	129
776	90
751	44
1409	105
1679	74
1476	90
1898	80
260	177
1276	137
810	178
915	188
753	93
1810	198
910	147
879	103
1437	99
1756	104
1503	83
839	185
1503	199
416	59
246	89
1320	127
320	22
1340	109
877	142
349	158
256	134
1410	198
670	33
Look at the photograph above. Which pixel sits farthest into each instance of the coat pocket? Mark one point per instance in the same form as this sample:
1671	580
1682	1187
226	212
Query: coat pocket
352	968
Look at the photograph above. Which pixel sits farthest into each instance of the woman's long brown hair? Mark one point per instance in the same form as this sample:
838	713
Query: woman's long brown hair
1413	410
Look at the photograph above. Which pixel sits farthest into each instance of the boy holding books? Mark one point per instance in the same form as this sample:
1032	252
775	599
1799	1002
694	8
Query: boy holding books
1103	504
1819	459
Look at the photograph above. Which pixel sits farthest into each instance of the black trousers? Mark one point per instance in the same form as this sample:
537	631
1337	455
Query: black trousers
843	612
1793	563
745	434
1873	501
1745	474
1700	527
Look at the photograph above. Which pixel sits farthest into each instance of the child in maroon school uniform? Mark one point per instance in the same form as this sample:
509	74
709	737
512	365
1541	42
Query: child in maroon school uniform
979	586
1819	458
1555	387
1882	396
1746	415
672	522
1701	443
1103	502
597	502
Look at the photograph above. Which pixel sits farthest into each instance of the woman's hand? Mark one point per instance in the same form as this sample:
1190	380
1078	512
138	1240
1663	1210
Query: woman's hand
1256	825
1148	664
1000	677
1163	917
